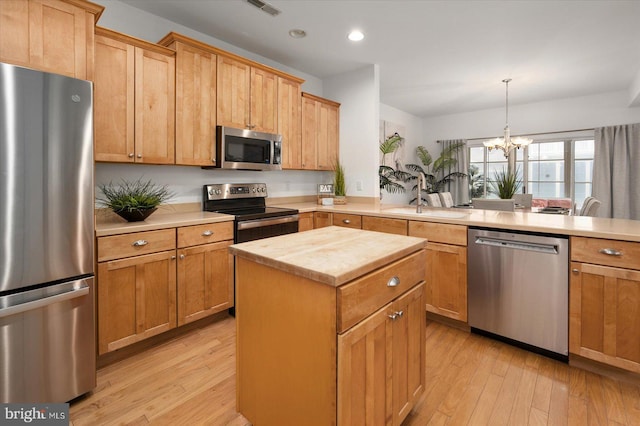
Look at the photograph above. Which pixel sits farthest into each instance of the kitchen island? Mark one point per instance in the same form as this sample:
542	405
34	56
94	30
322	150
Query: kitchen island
330	327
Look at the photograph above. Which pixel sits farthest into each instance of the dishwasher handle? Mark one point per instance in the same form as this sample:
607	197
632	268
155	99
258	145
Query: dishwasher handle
517	245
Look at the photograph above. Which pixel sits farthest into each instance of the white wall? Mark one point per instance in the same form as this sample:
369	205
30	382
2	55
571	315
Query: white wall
183	180
413	138
359	95
585	112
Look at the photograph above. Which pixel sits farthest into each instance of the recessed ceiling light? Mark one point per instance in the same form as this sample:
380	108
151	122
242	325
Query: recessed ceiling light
356	35
297	33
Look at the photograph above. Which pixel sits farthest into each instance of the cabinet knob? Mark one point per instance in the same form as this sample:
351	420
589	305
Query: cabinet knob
140	243
139	155
207	233
173	258
393	282
181	256
610	252
347	221
575	271
131	155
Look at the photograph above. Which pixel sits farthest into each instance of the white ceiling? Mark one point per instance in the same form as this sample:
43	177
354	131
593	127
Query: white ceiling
438	57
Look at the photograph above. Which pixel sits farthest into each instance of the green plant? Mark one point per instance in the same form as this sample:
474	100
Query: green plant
434	170
476	189
390	178
133	196
505	183
339	186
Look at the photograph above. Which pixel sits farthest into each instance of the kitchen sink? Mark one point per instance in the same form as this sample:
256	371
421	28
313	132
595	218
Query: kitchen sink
428	213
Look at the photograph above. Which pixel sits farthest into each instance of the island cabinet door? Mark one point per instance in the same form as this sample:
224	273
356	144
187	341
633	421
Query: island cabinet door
205	281
408	353
604	319
364	358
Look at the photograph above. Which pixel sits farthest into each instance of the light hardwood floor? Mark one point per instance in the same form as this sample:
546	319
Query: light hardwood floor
471	380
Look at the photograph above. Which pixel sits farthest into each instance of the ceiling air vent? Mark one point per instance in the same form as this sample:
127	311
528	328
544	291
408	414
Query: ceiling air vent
265	7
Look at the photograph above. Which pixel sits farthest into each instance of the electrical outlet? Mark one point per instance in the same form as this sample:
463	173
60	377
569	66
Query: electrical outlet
359	185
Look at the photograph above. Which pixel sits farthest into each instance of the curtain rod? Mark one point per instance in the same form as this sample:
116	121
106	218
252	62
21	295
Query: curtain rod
534	134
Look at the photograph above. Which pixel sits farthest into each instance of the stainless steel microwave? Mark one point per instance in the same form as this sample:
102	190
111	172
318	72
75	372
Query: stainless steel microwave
247	150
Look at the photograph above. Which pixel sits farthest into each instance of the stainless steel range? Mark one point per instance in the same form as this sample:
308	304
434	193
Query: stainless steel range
253	219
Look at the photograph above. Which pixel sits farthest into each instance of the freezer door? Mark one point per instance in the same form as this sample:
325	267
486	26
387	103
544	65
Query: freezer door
48	349
46	178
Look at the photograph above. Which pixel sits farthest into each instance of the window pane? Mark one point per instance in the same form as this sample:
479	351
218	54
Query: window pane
550	190
551	150
551	171
584	149
495	155
582	191
476	154
583	170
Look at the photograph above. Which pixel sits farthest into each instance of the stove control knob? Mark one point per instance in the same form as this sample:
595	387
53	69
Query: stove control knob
218	192
211	191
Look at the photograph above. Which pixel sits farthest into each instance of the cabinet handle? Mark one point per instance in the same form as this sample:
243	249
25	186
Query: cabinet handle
393	282
140	243
610	252
173	258
575	271
207	233
131	155
139	155
347	221
396	315
181	256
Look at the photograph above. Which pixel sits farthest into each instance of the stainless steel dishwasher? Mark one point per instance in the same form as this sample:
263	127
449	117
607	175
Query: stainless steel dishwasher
518	288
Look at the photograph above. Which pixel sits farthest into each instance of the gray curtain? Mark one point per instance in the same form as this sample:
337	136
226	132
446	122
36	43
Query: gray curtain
616	171
459	187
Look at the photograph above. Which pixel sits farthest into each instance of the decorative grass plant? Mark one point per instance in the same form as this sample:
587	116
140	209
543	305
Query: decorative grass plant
134	201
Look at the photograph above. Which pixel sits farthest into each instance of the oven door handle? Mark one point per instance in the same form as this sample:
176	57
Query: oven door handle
259	223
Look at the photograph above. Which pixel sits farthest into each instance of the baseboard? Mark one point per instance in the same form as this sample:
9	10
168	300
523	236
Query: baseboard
460	325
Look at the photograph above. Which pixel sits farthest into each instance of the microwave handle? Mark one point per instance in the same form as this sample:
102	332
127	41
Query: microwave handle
277	152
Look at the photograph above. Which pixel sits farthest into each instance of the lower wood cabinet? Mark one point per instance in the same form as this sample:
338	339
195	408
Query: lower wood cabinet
150	282
385	224
305	221
136	299
322	219
347	220
604	318
446	270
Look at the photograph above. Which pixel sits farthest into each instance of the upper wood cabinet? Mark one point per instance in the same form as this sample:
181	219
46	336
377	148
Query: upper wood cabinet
289	124
196	93
247	96
49	35
134	100
320	132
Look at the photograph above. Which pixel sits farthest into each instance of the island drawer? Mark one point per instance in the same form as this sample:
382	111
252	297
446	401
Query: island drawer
358	299
203	234
348	220
439	232
134	244
623	254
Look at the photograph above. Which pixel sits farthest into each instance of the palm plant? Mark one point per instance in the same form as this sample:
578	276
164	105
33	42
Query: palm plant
476	178
434	170
390	178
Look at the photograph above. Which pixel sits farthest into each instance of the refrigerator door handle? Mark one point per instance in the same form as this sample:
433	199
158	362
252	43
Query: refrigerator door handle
35	304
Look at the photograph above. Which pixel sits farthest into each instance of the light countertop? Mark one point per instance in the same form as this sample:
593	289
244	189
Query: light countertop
617	229
332	255
114	225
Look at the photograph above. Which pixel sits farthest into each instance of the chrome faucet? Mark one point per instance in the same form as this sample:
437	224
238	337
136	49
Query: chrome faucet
422	184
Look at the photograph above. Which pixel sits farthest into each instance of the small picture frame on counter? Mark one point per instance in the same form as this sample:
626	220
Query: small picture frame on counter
325	193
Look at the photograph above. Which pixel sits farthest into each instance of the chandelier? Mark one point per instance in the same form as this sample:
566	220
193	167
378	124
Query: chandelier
506	143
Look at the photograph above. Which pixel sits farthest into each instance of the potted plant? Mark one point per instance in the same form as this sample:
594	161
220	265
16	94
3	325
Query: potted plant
390	178
505	183
339	186
133	201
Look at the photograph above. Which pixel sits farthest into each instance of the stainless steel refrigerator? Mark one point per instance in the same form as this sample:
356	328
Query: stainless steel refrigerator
47	320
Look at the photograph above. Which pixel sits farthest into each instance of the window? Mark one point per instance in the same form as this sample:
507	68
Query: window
554	168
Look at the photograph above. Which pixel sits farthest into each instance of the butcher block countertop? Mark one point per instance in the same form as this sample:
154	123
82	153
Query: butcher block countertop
332	255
